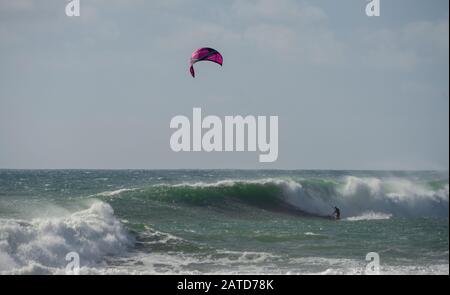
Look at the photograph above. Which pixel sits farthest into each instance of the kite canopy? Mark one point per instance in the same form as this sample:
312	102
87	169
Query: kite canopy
206	54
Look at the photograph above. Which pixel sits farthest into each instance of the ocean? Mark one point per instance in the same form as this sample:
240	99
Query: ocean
223	221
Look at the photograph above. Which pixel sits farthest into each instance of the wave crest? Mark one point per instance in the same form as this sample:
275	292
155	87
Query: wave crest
40	245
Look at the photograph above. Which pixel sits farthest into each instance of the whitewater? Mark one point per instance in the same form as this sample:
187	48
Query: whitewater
223	221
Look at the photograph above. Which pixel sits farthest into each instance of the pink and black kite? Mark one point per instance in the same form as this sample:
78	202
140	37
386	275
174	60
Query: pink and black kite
207	54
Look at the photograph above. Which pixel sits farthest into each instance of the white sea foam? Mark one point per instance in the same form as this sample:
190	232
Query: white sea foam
40	245
356	196
115	192
235	262
286	183
370	216
311	234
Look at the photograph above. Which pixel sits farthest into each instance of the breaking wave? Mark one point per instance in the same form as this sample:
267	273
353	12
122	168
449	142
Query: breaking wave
363	198
40	246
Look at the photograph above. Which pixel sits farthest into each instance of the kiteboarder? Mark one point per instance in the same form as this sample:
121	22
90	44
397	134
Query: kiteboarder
337	213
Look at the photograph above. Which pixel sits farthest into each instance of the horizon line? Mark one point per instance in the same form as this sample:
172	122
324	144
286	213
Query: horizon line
243	169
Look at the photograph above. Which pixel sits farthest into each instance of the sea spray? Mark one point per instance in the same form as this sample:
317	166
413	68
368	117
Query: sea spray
44	242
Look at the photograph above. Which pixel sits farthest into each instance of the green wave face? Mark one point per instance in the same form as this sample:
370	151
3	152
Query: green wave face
260	195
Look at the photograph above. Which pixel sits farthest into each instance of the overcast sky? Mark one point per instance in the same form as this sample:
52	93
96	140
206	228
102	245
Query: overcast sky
99	90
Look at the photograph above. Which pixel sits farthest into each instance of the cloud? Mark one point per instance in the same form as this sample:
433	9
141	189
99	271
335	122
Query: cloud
431	39
405	48
275	38
16	5
193	33
285	30
281	10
